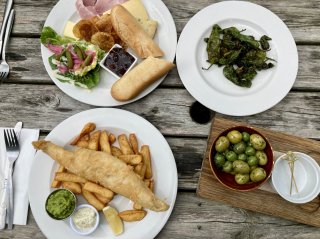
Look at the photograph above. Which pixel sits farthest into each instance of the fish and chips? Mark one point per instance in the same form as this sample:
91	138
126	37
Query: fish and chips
99	170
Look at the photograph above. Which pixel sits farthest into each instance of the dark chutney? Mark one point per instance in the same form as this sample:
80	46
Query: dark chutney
119	61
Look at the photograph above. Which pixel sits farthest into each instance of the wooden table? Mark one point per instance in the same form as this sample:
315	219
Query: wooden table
30	95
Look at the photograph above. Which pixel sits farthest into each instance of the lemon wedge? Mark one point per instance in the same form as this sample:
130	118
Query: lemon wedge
112	217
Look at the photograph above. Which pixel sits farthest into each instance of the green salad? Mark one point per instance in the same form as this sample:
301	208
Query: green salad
74	62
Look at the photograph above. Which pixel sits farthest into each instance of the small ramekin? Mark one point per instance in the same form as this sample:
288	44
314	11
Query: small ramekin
89	231
110	71
306	174
55	191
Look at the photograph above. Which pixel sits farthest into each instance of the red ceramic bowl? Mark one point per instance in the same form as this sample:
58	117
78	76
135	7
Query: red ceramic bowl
227	179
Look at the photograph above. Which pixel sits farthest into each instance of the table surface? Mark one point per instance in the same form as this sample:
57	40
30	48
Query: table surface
31	96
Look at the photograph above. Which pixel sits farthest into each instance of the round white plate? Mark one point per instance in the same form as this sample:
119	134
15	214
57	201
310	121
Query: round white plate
210	87
115	121
166	37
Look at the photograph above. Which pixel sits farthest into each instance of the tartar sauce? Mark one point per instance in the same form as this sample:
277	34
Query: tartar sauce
84	218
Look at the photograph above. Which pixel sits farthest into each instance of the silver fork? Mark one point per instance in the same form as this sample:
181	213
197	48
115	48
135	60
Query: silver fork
13	150
4	67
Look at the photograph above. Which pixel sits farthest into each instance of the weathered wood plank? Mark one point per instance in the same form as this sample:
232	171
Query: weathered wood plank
188	154
194	217
302	17
30	16
197	218
44	106
25	59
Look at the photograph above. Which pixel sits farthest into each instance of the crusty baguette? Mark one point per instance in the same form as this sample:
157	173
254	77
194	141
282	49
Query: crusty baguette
139	78
132	33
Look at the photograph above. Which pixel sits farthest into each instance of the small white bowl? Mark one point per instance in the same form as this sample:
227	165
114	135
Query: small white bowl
89	231
307	177
107	54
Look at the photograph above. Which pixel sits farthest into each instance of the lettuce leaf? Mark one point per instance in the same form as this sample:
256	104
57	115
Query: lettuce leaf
88	81
49	36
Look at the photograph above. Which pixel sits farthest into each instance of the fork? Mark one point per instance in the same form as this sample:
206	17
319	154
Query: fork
4	67
13	150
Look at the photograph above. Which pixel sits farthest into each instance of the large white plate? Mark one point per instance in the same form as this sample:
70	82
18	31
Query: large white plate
116	121
210	87
166	37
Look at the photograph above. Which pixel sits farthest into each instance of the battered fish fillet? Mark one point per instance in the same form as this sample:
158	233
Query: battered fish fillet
108	171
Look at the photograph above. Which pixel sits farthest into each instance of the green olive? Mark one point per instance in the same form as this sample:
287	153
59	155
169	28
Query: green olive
234	136
257	142
225	152
258	175
262	157
245	136
242	178
219	160
242	157
253	167
227	167
231	156
241	167
222	144
239	148
249	144
253	160
250	151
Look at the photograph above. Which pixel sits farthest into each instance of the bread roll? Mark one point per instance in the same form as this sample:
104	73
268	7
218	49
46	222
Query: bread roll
139	78
132	33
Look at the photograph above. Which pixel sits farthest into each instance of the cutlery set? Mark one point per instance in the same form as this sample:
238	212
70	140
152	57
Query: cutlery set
11	138
4	38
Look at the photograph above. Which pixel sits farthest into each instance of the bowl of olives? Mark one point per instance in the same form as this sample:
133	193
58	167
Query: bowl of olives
241	158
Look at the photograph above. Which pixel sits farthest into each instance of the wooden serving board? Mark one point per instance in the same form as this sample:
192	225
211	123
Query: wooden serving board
261	200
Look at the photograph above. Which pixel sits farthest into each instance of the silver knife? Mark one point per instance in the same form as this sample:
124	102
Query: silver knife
4	22
4	200
17	129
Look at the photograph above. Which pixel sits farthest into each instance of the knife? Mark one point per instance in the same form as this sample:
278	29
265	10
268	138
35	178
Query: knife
4	22
4	200
17	129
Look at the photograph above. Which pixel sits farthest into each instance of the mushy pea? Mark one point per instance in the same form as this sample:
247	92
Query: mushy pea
60	204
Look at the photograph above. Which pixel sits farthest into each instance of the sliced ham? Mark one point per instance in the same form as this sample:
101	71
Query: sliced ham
85	12
55	48
90	8
89	2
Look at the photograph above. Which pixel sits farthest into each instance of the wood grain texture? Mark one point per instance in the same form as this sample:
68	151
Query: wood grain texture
30	95
273	204
44	106
24	56
301	16
195	217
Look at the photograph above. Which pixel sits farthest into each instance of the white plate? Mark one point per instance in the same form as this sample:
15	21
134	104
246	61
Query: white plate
115	121
210	87
166	37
